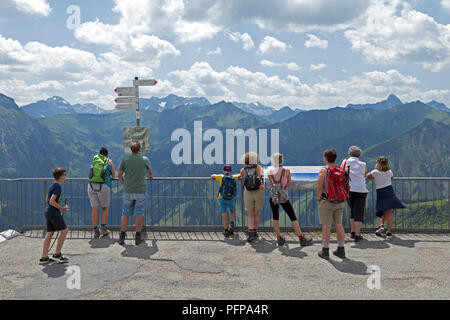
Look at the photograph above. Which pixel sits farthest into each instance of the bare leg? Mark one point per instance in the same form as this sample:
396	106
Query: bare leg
104	218
256	221
357	227
233	216
340	232
352	225
124	225
61	239
224	220
94	216
47	241
382	221
326	230
276	227
251	219
390	219
139	223
296	227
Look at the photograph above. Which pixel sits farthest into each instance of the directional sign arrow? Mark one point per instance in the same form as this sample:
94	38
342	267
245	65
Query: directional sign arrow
127	100
144	83
126	91
126	106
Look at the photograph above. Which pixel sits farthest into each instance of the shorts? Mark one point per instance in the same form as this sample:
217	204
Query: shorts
99	198
357	203
254	200
227	204
55	223
329	211
133	203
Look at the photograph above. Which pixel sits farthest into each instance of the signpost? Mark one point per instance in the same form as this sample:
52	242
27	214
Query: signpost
129	96
128	99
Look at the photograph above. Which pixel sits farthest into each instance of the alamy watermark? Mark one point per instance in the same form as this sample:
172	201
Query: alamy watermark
374	280
213	153
74	280
74	20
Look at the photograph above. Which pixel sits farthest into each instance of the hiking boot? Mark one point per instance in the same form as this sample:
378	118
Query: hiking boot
324	253
359	238
104	231
281	241
251	236
381	232
340	252
231	229
226	233
306	241
59	258
138	238
122	238
96	233
353	235
44	260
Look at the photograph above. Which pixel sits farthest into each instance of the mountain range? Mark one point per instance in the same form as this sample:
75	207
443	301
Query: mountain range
393	101
31	146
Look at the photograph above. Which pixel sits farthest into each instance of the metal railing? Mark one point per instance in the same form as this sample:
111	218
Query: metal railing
191	203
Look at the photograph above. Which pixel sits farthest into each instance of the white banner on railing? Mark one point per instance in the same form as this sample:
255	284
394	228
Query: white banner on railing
302	177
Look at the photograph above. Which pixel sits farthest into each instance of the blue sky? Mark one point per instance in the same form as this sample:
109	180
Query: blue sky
301	53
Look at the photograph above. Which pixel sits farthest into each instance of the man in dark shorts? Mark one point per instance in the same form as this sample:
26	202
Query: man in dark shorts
55	221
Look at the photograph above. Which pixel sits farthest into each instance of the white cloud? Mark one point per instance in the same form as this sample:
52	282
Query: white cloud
280	15
318	66
13	8
314	42
272	45
396	33
140	17
202	79
289	65
446	5
218	50
39	59
247	41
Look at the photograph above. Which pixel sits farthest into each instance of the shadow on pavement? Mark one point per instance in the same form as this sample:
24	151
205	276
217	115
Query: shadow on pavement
141	251
349	266
369	244
295	252
264	246
403	243
100	243
55	270
234	241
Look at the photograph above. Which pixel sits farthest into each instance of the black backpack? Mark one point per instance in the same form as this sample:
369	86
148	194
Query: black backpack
228	188
251	179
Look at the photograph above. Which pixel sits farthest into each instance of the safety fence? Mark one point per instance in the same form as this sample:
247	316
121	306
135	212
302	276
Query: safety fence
190	203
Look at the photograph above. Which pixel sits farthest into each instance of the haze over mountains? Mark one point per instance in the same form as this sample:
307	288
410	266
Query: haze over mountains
32	145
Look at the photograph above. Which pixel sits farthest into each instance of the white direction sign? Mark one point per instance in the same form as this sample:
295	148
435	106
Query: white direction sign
126	91
126	106
127	100
144	83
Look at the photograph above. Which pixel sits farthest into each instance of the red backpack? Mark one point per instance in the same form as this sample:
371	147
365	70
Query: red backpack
337	181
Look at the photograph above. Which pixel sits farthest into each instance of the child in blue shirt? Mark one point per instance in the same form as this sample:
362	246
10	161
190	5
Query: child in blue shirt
227	198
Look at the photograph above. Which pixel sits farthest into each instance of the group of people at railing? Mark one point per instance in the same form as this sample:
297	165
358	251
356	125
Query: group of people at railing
336	185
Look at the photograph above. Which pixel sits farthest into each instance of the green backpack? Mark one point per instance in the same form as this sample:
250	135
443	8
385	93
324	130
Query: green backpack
99	165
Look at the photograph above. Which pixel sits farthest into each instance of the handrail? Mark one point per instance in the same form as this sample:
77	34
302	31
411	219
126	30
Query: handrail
208	178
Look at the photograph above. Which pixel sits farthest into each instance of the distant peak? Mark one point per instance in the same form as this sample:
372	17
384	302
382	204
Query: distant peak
57	99
393	98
